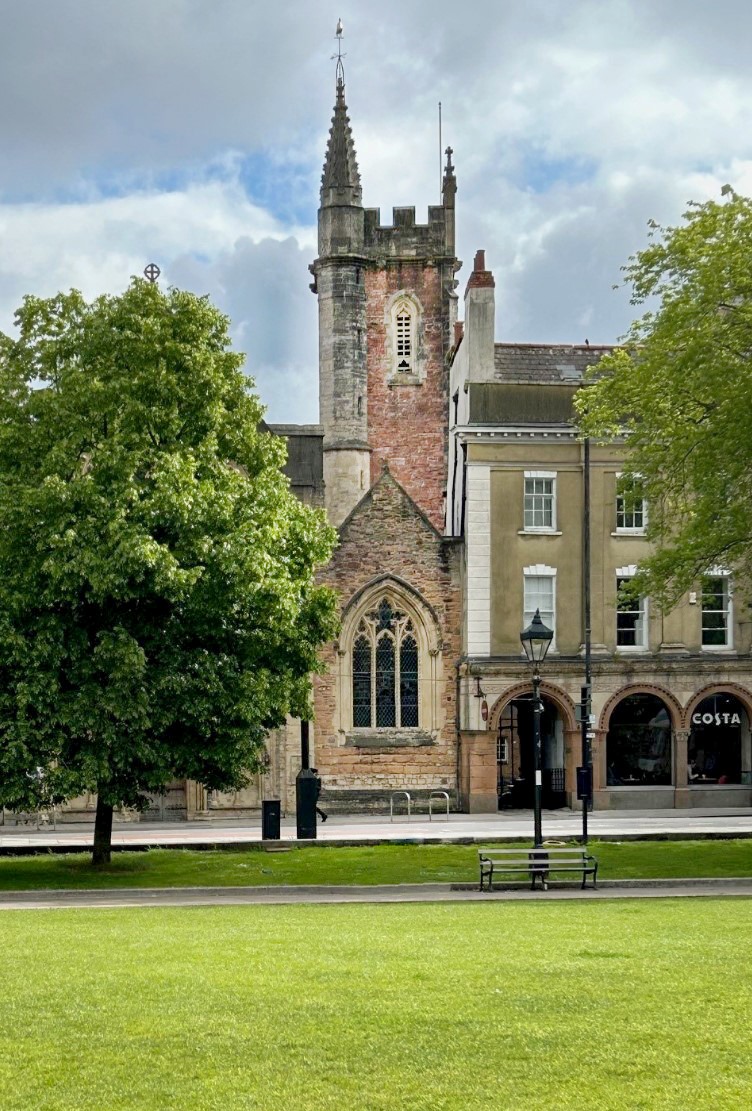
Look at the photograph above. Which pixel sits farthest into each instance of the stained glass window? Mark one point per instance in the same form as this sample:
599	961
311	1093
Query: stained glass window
362	682
409	682
385	671
386	716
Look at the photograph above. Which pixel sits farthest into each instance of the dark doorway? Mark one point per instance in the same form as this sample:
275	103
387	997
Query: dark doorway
515	756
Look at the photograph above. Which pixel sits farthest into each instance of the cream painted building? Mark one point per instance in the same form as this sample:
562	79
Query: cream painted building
671	694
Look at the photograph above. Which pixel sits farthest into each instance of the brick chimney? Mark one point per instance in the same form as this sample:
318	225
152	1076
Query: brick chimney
480	310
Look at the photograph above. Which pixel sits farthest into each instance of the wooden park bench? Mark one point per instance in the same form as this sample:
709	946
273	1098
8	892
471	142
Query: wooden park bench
536	864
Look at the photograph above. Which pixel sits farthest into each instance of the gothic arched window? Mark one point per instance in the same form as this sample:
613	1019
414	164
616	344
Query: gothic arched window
385	673
404	341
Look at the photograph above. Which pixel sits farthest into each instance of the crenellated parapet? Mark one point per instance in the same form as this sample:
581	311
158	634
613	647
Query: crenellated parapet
404	238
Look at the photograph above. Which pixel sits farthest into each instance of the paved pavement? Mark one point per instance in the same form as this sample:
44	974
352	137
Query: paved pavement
394	893
375	828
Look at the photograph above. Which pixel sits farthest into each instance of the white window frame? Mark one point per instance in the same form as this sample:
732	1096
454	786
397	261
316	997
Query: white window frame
549	476
630	530
719	573
643	608
540	571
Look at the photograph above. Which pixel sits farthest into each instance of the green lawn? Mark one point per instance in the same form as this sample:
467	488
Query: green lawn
599	1006
367	865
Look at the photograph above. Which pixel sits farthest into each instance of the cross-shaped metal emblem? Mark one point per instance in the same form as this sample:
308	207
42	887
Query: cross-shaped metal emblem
152	272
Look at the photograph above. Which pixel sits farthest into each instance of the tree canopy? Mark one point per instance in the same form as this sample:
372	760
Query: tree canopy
680	391
158	611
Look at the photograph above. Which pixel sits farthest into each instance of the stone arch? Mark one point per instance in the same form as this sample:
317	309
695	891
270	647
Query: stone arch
744	696
672	703
413	601
554	694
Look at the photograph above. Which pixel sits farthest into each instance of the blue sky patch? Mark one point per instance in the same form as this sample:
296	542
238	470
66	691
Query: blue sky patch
538	172
287	188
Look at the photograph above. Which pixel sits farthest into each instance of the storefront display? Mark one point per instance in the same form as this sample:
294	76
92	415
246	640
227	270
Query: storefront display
638	746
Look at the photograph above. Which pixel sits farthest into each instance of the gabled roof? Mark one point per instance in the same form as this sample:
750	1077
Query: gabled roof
387	478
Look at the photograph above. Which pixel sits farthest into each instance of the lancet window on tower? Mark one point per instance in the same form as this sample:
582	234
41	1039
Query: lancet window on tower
404	342
403	319
385	670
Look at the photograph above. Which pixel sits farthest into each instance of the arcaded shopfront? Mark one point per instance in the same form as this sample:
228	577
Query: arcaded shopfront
654	752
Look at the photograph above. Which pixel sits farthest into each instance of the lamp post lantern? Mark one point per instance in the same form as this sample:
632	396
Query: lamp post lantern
536	641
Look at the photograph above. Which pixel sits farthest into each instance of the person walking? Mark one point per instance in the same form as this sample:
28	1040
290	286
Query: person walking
319	811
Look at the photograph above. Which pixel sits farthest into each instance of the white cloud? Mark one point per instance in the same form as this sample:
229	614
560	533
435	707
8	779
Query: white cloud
572	125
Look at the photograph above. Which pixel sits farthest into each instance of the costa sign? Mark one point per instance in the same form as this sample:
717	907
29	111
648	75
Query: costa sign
716	719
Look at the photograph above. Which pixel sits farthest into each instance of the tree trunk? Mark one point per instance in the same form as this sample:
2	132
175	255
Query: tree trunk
102	853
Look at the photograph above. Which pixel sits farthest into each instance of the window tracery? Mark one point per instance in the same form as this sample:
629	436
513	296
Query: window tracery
385	670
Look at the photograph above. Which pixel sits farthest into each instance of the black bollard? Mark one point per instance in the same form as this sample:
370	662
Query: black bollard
306	791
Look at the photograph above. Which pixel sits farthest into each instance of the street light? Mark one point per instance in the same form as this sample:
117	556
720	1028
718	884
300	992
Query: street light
536	641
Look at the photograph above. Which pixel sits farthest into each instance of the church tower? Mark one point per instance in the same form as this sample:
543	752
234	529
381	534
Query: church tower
384	707
387	307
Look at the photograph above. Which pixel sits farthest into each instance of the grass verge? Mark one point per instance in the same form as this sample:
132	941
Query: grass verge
591	1006
354	865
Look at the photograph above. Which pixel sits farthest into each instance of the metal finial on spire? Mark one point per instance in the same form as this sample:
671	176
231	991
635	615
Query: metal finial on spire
340	70
152	272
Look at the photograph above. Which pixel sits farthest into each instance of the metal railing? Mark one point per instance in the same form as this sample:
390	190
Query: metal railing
437	795
400	794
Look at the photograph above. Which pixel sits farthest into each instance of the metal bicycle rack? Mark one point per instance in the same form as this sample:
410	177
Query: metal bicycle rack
437	795
400	794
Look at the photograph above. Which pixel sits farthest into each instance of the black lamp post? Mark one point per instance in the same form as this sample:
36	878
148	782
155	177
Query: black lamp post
536	640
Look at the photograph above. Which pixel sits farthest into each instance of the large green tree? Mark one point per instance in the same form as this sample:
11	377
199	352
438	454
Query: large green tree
679	391
158	612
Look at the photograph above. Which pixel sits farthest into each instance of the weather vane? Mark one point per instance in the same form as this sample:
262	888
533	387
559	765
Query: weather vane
339	55
152	272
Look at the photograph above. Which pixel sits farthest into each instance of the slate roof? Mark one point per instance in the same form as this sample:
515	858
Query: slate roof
543	362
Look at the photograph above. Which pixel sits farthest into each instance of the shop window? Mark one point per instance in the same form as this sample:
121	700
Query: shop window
631	507
716	611
631	617
718	750
638	744
540	501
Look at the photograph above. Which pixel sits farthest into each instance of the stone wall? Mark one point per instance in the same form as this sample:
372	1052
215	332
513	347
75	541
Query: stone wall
387	539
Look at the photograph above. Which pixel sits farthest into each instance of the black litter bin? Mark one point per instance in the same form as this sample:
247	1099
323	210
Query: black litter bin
271	815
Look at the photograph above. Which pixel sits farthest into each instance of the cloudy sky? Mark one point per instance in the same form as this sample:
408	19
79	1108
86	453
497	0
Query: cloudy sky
192	132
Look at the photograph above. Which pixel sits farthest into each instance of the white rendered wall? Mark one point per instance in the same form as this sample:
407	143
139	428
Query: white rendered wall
478	542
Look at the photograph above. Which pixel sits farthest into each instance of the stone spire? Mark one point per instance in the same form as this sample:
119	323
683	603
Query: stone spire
340	181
